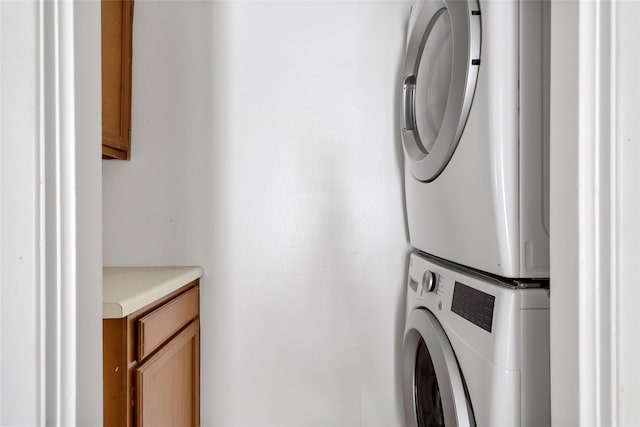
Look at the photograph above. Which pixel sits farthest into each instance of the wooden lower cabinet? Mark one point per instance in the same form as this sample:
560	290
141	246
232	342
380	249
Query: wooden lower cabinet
167	385
152	364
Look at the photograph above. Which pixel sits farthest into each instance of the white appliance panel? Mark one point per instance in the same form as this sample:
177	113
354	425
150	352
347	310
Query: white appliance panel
506	368
488	207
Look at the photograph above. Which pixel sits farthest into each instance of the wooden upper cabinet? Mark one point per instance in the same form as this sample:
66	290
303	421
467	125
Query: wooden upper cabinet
117	20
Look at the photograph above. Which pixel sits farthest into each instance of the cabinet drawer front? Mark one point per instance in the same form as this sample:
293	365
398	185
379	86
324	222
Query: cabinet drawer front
156	327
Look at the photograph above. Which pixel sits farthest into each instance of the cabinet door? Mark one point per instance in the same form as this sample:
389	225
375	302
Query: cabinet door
117	19
168	384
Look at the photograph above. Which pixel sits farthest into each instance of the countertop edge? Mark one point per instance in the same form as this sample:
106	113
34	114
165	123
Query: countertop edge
133	303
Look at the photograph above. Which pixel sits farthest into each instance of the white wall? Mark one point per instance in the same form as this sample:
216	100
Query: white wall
19	216
265	148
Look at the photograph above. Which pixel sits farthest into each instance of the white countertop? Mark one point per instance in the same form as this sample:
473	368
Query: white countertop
128	289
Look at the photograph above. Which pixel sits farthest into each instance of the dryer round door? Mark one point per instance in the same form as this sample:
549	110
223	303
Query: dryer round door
440	73
434	390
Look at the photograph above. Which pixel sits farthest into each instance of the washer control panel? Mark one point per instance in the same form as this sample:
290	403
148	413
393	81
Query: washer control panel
429	281
473	305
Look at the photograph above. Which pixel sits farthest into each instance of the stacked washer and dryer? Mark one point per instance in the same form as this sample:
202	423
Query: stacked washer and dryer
475	134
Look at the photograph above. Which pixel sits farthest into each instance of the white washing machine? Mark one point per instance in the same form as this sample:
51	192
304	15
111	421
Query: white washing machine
475	351
475	134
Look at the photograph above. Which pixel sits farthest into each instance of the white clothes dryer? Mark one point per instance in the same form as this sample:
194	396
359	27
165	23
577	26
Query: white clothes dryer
475	351
475	134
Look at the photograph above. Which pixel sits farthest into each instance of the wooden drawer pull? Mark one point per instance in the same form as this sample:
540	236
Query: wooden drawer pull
156	327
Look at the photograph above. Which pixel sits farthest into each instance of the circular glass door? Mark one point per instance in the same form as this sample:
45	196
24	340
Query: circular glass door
441	67
434	390
426	390
433	80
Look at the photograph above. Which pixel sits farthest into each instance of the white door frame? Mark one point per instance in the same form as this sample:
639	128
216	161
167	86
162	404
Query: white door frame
51	220
51	243
595	185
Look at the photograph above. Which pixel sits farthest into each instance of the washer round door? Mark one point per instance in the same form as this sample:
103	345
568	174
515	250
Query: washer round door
434	390
440	73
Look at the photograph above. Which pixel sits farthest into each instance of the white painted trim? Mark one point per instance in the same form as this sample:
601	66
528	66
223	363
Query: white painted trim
50	214
595	180
596	240
41	302
60	212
